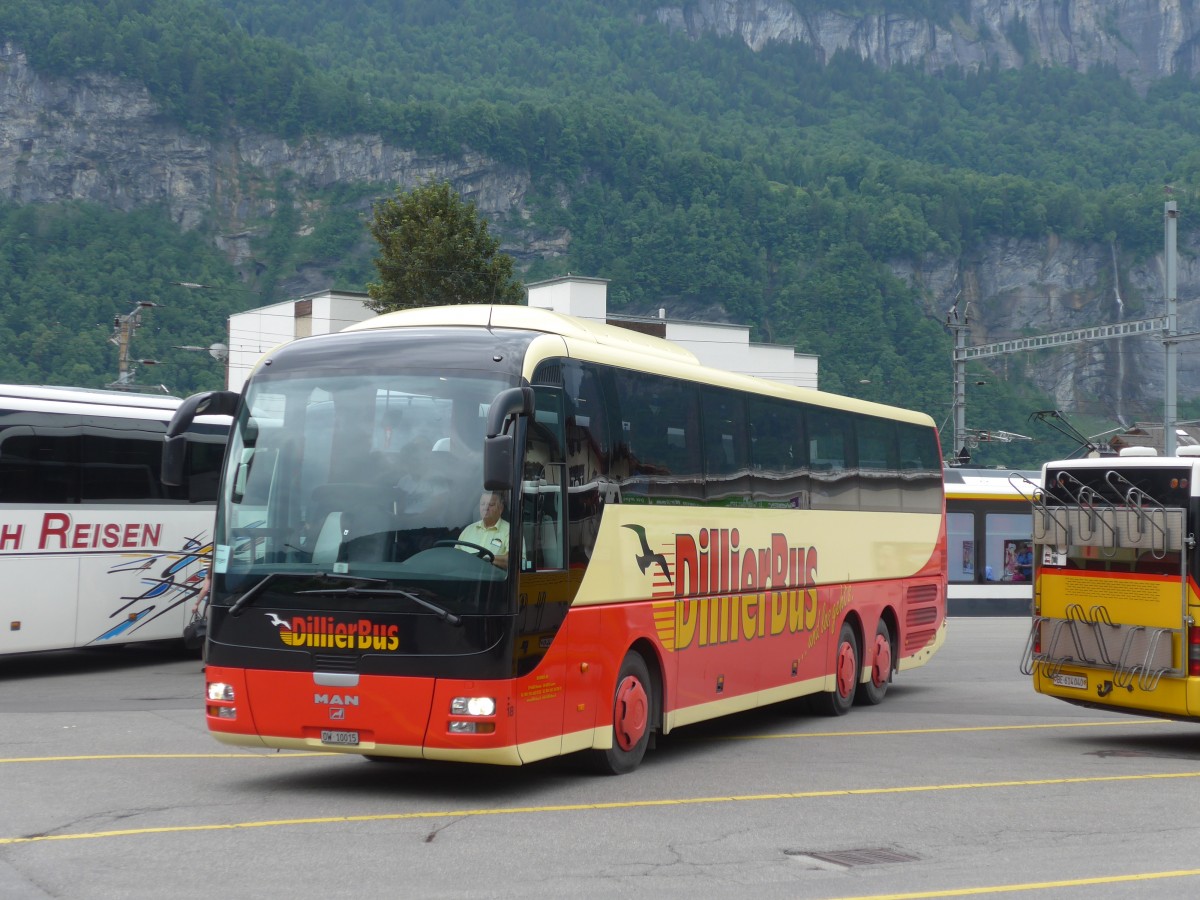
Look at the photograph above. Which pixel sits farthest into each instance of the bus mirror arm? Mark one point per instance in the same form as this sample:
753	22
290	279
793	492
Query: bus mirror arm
498	445
516	401
208	403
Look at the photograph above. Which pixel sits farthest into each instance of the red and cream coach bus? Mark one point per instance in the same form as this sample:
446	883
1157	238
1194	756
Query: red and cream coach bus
1114	591
94	550
677	543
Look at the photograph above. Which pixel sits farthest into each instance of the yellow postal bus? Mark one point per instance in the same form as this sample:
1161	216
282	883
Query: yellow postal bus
1115	598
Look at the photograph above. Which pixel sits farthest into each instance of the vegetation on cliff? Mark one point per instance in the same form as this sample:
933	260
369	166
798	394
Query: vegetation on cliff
691	172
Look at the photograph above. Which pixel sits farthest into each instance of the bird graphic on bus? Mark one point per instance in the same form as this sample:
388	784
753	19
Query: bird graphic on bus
164	587
648	558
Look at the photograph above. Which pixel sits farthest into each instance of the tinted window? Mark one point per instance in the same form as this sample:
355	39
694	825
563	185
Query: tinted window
726	450
590	442
660	431
831	448
54	459
778	453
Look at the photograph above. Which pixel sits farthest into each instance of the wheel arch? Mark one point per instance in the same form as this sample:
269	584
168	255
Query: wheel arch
649	652
892	618
854	620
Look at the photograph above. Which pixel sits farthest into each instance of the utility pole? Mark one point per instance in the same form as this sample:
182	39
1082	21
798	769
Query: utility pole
1167	326
959	447
1170	338
123	328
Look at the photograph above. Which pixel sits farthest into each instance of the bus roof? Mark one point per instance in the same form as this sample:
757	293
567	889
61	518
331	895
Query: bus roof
979	483
1124	462
530	318
87	396
646	349
44	398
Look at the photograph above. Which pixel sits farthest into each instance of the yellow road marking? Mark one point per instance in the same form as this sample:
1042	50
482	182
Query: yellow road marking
1033	886
967	728
292	755
316	754
594	807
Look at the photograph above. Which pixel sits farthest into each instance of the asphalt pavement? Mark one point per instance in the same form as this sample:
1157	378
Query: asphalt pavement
964	782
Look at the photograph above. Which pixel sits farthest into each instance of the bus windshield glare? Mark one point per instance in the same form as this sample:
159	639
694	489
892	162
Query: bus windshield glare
354	490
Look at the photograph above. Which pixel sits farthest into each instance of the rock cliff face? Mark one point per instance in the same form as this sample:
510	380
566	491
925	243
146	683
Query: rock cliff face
103	140
1026	288
1142	39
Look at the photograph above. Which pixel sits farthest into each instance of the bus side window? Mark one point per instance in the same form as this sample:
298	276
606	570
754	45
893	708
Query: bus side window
831	445
42	468
542	485
725	445
778	454
589	455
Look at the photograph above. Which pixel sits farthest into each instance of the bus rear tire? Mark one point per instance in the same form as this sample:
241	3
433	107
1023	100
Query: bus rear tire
633	705
872	691
846	667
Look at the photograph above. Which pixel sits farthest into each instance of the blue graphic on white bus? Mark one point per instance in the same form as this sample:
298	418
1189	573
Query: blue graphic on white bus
173	586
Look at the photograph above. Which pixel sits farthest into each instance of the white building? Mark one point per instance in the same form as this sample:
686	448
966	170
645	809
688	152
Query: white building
253	333
715	344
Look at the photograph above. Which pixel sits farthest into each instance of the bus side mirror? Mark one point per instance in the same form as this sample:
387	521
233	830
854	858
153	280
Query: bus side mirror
174	452
498	446
498	462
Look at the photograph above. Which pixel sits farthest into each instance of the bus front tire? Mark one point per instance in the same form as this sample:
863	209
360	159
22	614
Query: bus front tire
846	668
872	691
633	705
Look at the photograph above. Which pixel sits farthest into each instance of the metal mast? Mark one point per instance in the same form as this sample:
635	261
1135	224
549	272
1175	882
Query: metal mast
1170	338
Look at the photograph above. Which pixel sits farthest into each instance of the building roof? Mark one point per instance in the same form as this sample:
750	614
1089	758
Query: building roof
1147	434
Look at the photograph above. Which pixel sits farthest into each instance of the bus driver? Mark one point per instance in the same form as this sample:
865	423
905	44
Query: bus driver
491	531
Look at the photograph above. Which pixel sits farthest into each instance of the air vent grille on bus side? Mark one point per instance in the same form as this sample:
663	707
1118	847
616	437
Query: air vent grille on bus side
921	612
923	593
549	373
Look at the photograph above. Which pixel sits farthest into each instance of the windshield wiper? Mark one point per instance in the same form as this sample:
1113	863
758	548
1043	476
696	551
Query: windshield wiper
244	600
444	614
241	602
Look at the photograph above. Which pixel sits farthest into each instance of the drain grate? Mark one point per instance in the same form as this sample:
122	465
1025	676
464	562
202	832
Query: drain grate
870	856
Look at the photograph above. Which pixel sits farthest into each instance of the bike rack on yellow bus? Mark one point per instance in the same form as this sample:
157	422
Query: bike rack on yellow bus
1086	637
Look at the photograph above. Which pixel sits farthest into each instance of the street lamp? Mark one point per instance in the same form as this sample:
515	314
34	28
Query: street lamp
217	351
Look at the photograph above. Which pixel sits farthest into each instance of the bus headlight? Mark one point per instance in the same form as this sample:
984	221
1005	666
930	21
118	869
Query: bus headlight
473	706
218	690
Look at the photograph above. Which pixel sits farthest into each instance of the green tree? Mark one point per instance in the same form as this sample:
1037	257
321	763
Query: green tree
435	250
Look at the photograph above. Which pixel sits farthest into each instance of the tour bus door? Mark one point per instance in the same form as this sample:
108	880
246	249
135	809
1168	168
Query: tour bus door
543	585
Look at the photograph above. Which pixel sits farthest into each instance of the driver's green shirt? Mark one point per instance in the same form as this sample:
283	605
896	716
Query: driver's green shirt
494	538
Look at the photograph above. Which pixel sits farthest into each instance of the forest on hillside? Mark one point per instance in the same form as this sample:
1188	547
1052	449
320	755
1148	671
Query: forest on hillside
697	172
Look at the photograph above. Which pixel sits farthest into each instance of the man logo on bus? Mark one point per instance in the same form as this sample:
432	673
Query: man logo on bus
646	558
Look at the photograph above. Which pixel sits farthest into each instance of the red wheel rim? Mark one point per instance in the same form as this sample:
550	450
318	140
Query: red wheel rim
846	676
883	661
631	714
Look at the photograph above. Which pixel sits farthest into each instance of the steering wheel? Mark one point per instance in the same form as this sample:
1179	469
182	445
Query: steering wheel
482	552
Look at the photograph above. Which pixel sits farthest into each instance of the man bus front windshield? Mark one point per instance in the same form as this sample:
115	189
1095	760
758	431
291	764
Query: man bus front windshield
353	491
